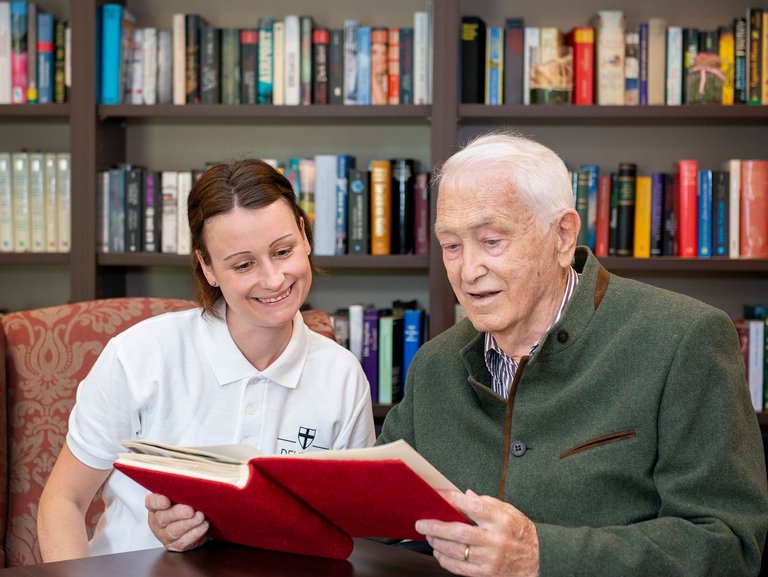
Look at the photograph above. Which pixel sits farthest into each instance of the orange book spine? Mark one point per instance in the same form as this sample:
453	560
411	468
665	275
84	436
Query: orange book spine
754	208
381	207
393	66
603	216
582	41
687	229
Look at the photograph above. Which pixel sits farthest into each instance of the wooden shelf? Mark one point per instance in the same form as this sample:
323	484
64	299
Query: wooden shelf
34	259
689	114
349	262
762	419
30	111
670	264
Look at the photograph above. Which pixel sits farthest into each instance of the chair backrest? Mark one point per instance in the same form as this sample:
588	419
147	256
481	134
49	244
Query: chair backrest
47	352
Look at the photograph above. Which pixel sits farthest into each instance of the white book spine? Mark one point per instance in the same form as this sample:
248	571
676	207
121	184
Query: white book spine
5	52
611	32
136	95
179	60
350	61
64	200
104	211
733	167
51	204
756	353
356	330
6	203
292	60
21	231
420	58
164	67
36	202
183	235
168	233
325	205
531	41
149	67
278	64
674	69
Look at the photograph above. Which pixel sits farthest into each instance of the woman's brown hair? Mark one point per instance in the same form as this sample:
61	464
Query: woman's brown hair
249	184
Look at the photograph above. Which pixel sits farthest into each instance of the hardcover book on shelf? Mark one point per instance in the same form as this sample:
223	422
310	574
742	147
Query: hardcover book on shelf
675	72
62	67
422	38
613	218
230	66
531	42
726	51
169	220
134	66
355	313
164	66
64	199
582	204
687	218
754	54
249	56
179	59
720	216
609	59
6	204
473	33
292	55
756	370
494	66
193	24
149	68
403	205
413	336
642	33
117	23
336	66
657	213
320	46
5	52
381	207
36	202
45	25
31	51
266	61
117	209
210	65
326	173
133	208
632	68
370	353
406	66
670	216
51	203
305	71
421	224
393	65
311	503
363	65
386	326
22	239
704	212
657	49
152	205
642	240
740	60
514	29
582	42
603	215
278	62
626	183
350	61
307	181
754	207
19	55
358	223
183	235
379	69
733	168
344	163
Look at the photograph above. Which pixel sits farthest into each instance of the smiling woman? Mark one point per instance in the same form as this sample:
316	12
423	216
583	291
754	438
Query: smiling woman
241	368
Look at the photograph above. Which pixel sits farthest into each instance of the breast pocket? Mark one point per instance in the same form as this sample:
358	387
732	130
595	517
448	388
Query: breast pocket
616	437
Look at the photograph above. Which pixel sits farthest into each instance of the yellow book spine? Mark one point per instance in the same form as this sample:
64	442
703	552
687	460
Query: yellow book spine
642	248
764	74
381	203
726	49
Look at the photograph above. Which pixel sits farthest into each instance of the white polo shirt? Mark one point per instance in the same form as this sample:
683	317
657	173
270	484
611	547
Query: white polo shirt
179	378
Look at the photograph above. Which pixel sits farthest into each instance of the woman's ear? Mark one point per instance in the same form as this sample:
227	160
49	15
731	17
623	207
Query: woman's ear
207	270
307	246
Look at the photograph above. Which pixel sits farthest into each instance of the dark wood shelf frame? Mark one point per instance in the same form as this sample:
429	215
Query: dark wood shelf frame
34	258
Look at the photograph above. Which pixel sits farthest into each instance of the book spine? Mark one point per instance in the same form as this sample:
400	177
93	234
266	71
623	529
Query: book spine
494	66
593	176
22	239
473	33
350	61
152	211
149	71
133	209
307	187
406	66
64	200
642	31
627	179
292	60
613	221
364	65
117	209
356	330
5	52
164	66
32	52
642	240
249	54
756	362
266	60
403	205
168	228
632	68
345	163
192	26
51	202
657	40
690	50
704	213
6	203
381	207
179	59
230	66
720	217
657	213
603	215
386	325
135	68
754	207
754	55
326	170
305	68
60	61
111	22
336	66
687	234
379	71
513	60
183	235
740	61
582	41
412	337
725	49
421	60
531	42
358	221
36	202
321	39
393	65
582	204
421	214
19	54
210	65
733	168
674	68
278	63
610	50
370	353
671	200
45	58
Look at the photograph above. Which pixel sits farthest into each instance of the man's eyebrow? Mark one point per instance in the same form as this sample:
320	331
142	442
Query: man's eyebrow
488	221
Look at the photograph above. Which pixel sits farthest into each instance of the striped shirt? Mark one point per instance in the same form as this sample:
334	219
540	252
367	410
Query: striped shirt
503	367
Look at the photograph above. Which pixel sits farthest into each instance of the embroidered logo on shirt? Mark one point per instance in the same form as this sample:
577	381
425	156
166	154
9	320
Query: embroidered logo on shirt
306	436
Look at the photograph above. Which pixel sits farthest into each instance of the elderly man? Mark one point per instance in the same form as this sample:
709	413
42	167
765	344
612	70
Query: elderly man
598	426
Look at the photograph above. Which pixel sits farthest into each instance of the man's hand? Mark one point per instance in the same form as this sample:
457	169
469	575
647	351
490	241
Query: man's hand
177	527
503	541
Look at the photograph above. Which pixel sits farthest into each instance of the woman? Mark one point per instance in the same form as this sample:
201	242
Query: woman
242	368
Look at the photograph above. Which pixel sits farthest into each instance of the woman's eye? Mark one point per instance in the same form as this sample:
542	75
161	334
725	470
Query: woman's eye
243	266
283	252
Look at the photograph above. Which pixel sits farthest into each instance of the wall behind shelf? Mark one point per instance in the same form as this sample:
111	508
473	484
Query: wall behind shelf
33	286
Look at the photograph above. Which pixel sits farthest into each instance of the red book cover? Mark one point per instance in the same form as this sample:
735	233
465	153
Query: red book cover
393	66
582	41
307	503
754	209
687	221
603	217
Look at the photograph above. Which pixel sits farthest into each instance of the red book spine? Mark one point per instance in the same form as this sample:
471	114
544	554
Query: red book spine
582	41
754	209
603	217
687	222
393	66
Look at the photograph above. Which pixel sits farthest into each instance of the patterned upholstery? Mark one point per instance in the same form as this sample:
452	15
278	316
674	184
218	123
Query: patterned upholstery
47	353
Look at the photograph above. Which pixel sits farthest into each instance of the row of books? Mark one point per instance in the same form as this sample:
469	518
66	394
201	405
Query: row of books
384	341
753	338
689	212
611	63
290	61
35	202
33	55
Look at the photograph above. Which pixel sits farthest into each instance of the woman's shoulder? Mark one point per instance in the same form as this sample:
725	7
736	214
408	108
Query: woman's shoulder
162	326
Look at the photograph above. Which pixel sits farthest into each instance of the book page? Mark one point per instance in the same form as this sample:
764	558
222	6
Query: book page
233	454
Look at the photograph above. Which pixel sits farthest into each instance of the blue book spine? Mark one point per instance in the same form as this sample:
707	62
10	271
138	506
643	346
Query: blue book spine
593	177
411	337
45	57
364	65
657	212
111	59
720	213
643	57
370	359
343	163
266	61
705	214
495	64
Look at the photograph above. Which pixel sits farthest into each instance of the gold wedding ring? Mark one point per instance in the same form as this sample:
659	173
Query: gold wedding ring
466	554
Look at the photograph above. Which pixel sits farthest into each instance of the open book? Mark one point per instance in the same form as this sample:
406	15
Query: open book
309	503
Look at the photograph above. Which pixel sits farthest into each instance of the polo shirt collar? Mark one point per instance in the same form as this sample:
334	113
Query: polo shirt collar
230	365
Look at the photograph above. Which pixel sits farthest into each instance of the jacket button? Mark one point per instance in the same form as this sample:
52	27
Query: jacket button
518	448
562	336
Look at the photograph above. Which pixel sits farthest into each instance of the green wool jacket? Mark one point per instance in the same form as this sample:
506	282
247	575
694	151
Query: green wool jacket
628	437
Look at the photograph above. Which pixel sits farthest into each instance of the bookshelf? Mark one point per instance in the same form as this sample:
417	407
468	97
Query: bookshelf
171	137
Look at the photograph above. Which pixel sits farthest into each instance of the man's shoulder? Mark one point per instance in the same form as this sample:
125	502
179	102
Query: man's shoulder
454	338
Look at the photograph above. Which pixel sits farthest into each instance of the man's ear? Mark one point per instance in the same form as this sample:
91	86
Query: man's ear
568	224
